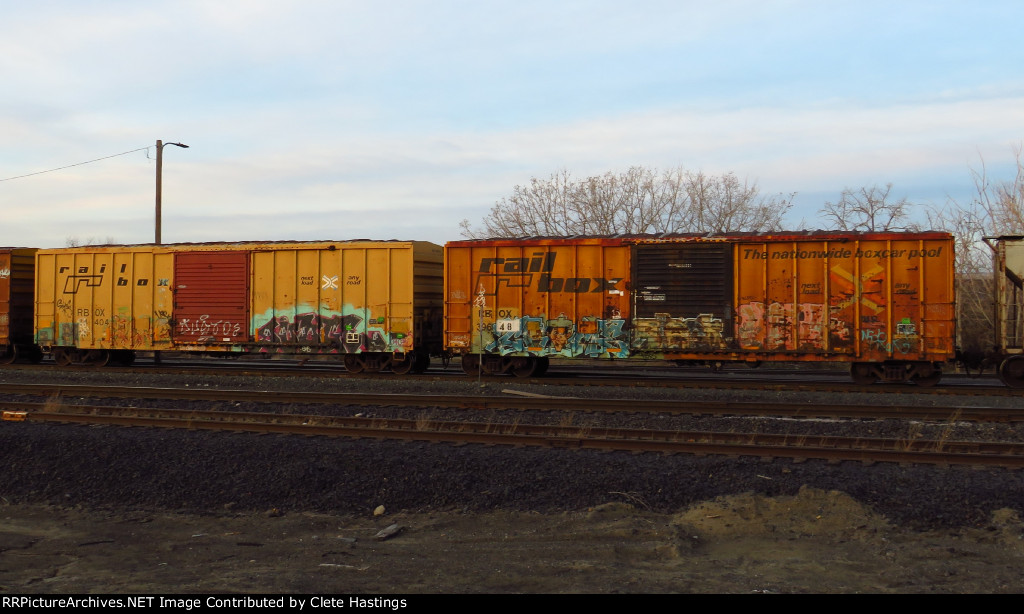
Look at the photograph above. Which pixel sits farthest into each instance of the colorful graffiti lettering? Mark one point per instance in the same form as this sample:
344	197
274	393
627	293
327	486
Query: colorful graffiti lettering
703	332
342	332
539	336
773	328
124	334
877	340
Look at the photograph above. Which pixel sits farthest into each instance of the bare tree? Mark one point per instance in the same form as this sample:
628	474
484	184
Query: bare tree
639	200
997	208
724	204
866	210
77	242
1001	202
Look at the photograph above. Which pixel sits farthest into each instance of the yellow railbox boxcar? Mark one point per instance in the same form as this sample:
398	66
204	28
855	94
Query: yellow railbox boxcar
376	302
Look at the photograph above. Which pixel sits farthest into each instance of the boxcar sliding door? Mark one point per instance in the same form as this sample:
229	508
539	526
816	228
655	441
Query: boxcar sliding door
682	297
211	298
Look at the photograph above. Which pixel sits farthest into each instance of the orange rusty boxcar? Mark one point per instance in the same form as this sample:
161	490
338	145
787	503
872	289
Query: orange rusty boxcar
376	304
883	302
17	268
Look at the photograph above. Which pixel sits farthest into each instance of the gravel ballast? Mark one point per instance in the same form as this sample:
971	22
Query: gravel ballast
200	471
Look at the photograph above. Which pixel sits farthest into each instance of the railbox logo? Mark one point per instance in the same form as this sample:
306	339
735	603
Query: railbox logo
520	273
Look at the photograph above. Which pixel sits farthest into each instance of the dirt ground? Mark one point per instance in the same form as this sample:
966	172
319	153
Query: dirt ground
815	542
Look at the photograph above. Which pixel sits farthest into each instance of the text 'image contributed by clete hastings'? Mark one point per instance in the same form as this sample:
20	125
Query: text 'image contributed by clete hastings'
195	603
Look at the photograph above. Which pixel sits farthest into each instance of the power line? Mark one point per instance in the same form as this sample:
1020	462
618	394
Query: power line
78	164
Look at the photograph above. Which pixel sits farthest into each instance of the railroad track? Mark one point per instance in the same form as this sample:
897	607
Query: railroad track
660	377
760	445
517	401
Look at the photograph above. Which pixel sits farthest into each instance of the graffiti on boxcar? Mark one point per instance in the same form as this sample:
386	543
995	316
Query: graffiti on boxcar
161	325
124	333
5	273
591	337
207	329
67	308
904	341
664	332
773	328
83	327
876	340
68	333
335	331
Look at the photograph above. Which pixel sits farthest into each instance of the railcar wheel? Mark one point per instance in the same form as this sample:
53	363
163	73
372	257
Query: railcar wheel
353	363
862	374
471	364
63	358
1011	371
96	358
405	365
524	366
8	354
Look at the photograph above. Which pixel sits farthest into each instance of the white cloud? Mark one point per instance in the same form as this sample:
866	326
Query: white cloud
409	116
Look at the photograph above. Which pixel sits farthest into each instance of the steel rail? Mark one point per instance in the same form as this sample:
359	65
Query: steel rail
826	447
541	403
787	381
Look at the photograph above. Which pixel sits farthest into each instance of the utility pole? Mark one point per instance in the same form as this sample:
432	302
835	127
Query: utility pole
159	182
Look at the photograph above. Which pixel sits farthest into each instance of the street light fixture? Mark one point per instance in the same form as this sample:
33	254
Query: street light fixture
159	180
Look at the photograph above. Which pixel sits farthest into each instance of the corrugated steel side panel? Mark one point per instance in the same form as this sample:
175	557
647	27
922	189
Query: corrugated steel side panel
347	297
540	297
17	268
887	297
104	297
120	297
211	298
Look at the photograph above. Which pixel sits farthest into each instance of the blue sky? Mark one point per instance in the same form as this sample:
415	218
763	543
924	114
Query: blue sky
341	120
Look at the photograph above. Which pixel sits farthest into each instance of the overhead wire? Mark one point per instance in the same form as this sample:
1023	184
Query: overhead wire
78	164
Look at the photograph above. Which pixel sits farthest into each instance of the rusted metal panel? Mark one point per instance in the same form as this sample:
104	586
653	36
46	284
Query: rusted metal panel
17	268
844	296
793	296
211	298
538	297
347	297
109	297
